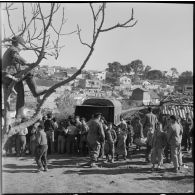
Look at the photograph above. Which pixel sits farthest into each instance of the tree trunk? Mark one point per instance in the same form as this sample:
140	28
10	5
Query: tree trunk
5	106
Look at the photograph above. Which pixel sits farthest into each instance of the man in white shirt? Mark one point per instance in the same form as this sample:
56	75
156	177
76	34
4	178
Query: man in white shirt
174	137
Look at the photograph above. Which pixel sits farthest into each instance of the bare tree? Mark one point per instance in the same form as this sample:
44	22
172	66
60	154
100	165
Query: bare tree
40	42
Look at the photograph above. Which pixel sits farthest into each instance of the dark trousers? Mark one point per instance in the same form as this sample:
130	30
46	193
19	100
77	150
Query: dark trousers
94	150
41	156
192	149
19	88
186	141
77	147
167	152
70	144
129	140
148	152
83	145
20	144
101	154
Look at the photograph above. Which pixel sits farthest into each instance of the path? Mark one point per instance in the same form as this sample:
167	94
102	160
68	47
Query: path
66	176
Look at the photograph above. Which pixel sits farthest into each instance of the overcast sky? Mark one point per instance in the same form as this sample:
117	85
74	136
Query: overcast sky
162	38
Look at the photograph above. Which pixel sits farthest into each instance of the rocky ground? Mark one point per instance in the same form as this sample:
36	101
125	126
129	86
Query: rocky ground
65	175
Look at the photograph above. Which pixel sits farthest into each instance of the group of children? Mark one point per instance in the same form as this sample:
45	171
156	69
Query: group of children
115	142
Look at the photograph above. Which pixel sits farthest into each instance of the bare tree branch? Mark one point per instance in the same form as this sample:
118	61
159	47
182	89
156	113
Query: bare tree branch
94	20
79	35
123	25
9	22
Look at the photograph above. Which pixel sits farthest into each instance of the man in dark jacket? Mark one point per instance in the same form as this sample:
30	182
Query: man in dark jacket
12	63
49	130
95	137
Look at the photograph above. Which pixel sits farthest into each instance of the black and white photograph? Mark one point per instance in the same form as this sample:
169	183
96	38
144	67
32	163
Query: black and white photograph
97	97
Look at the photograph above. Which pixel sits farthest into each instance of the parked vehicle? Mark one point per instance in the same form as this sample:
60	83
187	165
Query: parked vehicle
110	109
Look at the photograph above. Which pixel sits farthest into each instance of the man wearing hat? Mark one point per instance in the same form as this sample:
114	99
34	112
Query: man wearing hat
174	137
95	137
12	62
150	119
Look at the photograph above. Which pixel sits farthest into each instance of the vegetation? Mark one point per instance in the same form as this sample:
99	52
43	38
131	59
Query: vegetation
185	78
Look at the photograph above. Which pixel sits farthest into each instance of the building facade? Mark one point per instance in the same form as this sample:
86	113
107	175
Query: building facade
90	84
141	96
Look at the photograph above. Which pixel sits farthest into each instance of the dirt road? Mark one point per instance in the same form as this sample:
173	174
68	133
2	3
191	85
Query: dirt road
65	175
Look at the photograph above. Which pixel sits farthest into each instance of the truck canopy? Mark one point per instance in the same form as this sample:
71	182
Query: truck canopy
110	109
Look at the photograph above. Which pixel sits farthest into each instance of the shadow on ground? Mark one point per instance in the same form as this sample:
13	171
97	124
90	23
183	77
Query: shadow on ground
172	178
132	165
96	171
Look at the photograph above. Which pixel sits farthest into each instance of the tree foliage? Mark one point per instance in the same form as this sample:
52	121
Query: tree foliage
146	70
137	66
175	73
65	104
185	78
154	74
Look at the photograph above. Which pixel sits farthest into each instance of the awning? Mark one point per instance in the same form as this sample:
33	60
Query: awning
178	110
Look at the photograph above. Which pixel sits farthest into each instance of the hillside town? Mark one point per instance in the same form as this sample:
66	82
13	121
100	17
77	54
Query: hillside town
133	89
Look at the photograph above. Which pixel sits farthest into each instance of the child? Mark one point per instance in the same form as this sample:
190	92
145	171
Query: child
159	142
121	144
110	136
149	142
41	150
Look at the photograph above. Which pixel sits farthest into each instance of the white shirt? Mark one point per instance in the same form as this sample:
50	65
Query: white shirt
23	132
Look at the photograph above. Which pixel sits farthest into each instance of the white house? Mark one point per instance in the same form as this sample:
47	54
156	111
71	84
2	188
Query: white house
188	88
101	75
124	80
50	70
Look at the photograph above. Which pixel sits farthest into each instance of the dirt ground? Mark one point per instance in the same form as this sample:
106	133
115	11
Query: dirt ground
65	175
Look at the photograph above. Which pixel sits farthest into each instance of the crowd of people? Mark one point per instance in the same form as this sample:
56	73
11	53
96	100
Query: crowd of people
98	138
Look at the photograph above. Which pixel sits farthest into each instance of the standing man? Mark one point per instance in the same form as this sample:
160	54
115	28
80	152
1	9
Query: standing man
41	150
123	124
150	119
83	140
49	130
12	63
78	125
188	124
138	131
101	154
174	137
95	137
71	135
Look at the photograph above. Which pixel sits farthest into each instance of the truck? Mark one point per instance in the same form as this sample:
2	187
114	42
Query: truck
109	107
